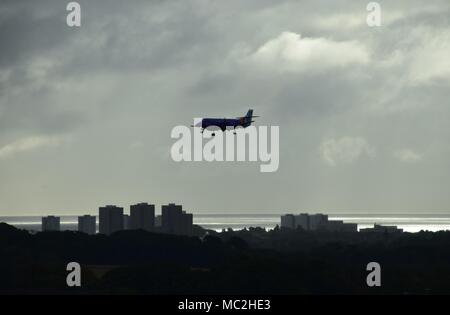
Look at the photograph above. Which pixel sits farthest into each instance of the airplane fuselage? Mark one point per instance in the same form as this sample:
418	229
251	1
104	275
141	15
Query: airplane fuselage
222	123
226	123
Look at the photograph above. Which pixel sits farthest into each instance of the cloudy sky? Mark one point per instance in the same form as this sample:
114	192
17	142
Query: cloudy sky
86	113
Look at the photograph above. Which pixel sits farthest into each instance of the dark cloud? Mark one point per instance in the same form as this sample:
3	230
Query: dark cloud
113	89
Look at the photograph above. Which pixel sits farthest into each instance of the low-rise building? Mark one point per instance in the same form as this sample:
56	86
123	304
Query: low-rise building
316	220
302	221
87	224
51	223
338	226
288	221
382	229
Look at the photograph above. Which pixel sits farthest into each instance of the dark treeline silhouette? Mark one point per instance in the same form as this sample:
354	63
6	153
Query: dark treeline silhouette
244	262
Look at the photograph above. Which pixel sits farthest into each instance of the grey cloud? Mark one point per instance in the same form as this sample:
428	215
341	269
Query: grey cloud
136	69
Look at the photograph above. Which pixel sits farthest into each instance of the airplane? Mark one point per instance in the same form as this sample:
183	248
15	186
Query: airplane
223	123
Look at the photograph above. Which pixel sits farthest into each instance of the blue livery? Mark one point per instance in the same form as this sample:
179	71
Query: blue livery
224	123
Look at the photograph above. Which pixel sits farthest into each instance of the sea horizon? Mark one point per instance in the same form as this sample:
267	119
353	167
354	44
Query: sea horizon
220	221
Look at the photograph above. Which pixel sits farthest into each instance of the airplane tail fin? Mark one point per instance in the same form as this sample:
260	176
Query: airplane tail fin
248	119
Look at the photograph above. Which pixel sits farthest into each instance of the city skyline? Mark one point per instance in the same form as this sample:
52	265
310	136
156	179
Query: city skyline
173	220
409	223
112	219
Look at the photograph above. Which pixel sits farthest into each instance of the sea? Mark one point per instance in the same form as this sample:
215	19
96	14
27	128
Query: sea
218	222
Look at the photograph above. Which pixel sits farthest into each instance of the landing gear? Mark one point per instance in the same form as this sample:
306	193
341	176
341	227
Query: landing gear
213	134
